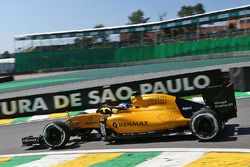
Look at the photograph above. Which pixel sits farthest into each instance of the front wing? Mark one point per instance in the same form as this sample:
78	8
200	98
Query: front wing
31	140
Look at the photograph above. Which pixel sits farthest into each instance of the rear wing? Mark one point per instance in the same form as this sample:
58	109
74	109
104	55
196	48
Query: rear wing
221	99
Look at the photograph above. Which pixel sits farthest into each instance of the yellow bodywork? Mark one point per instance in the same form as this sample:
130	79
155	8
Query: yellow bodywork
153	112
87	121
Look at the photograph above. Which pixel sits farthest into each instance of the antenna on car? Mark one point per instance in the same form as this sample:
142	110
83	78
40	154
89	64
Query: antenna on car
135	93
68	114
67	111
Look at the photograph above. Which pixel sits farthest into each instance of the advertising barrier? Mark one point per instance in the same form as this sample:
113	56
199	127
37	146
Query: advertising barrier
178	85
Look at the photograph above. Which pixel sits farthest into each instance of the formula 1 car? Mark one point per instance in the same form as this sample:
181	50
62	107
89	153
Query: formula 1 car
148	114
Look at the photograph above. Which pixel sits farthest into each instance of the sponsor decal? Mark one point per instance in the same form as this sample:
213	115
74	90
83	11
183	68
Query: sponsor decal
187	108
222	104
160	102
128	124
157	101
91	123
30	139
115	125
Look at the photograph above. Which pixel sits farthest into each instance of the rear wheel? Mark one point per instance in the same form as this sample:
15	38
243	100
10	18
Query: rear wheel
205	124
56	134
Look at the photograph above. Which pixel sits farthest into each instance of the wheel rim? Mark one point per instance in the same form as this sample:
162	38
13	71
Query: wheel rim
53	135
205	126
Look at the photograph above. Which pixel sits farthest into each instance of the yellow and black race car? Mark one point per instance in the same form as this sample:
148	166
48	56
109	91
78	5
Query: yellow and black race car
147	115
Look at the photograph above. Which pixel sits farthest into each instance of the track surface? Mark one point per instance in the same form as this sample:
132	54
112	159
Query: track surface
236	135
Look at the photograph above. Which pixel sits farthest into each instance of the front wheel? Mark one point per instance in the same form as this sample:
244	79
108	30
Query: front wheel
56	134
205	124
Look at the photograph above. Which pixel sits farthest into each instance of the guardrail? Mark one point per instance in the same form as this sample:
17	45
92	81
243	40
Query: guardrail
38	61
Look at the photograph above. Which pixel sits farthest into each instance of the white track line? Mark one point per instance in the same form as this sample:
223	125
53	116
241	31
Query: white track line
50	160
171	159
38	118
46	117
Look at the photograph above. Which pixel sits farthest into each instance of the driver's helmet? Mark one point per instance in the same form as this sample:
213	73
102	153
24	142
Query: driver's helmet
124	105
105	110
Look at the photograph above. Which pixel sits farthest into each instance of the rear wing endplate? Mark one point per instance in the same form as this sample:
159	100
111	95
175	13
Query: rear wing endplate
221	99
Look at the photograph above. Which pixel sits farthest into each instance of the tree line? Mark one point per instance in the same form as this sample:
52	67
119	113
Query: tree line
137	17
6	55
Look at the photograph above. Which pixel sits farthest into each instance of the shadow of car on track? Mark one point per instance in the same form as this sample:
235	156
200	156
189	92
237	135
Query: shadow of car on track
155	139
72	144
227	135
37	147
231	133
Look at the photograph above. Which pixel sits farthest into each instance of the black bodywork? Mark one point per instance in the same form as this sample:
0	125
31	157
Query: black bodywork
220	99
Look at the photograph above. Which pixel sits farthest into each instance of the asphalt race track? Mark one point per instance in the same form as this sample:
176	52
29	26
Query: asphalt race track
236	135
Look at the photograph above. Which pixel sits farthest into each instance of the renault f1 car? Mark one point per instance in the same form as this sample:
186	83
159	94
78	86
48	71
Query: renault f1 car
148	114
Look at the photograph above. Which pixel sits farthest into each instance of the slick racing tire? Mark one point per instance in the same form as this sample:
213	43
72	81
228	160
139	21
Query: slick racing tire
56	134
205	124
